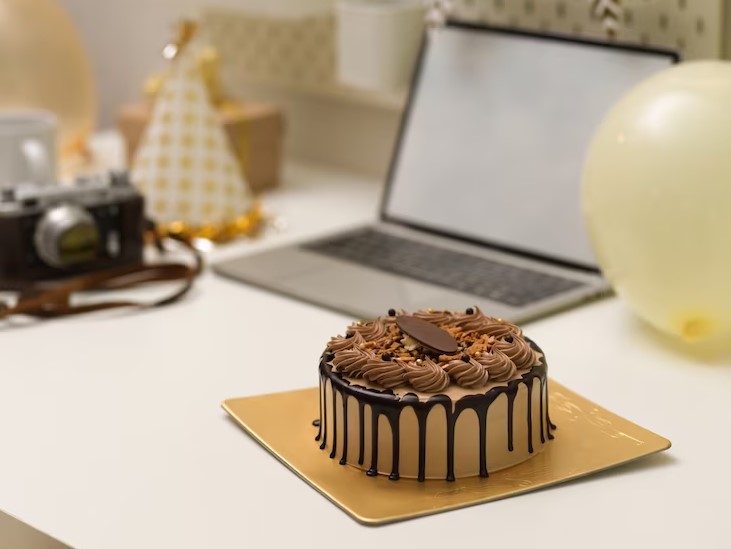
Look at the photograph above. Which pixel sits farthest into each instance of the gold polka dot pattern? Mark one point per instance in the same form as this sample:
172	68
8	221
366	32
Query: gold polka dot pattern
183	180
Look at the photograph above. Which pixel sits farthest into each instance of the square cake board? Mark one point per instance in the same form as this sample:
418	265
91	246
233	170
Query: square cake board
589	439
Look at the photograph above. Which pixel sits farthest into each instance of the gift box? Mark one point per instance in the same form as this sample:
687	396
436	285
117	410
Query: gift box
255	132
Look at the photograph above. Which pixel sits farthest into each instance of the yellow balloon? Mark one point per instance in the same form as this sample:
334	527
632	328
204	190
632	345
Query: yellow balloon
43	65
657	199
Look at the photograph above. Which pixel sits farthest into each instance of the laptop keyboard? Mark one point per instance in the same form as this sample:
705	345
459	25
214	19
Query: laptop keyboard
515	286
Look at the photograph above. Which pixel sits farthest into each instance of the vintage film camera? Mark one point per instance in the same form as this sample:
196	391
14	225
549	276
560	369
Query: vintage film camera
49	232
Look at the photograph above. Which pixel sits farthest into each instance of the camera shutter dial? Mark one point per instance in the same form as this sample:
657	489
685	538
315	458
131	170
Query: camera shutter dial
67	235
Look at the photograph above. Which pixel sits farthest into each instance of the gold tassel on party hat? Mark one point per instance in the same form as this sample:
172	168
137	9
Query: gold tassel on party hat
184	166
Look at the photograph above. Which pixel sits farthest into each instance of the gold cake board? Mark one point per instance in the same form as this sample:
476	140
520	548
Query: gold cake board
589	439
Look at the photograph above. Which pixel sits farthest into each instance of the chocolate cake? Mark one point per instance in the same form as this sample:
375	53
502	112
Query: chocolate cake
433	395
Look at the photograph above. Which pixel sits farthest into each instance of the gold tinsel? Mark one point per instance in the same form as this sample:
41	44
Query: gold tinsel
250	224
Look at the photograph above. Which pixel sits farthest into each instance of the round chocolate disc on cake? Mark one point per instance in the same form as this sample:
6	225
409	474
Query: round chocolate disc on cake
427	334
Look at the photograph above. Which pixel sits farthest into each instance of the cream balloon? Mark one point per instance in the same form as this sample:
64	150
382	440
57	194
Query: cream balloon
657	199
43	65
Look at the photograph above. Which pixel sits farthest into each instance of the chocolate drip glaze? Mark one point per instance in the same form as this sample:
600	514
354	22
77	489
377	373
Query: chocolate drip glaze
530	417
319	422
373	471
393	416
344	457
393	419
335	422
549	426
540	396
361	430
511	402
482	419
421	409
389	405
451	420
476	403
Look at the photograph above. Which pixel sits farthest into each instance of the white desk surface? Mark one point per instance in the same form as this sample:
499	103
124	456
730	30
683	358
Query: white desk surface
112	435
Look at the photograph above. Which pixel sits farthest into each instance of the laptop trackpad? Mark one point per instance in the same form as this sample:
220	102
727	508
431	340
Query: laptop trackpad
358	289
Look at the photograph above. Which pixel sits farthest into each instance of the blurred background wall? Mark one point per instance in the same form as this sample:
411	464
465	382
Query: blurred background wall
346	127
125	38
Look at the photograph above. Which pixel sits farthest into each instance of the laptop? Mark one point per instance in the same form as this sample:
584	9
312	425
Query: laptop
482	204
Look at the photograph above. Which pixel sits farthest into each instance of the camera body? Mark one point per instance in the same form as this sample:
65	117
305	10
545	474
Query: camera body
50	232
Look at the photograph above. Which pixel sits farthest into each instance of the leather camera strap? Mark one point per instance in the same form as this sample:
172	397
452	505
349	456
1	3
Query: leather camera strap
43	301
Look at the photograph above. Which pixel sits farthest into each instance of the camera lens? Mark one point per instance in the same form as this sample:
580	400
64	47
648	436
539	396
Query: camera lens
66	235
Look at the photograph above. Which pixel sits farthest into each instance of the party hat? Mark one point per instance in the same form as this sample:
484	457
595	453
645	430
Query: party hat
184	165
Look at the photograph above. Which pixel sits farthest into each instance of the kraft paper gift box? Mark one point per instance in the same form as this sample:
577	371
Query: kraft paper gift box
255	131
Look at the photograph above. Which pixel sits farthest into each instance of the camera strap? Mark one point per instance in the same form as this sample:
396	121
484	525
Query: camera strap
43	301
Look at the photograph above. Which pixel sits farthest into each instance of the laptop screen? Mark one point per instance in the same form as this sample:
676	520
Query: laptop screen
494	138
